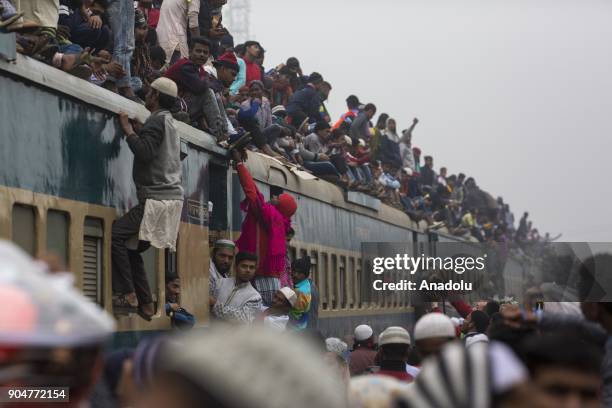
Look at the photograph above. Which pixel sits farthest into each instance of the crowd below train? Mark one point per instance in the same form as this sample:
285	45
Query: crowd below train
487	355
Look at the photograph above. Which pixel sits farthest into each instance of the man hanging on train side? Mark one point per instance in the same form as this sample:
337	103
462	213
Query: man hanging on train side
155	220
264	231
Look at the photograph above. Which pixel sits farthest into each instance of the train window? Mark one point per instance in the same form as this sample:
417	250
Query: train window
217	194
324	286
57	234
24	227
353	283
93	236
334	281
358	283
314	266
342	283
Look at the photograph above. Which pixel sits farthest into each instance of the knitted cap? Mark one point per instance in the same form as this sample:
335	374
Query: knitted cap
224	243
363	332
286	205
228	60
257	368
394	335
434	325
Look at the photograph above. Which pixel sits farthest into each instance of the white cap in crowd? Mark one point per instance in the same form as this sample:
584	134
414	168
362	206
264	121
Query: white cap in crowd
165	86
363	332
289	295
394	335
434	325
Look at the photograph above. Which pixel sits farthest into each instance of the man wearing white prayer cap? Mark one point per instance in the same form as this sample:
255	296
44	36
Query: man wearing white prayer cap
432	332
221	259
364	352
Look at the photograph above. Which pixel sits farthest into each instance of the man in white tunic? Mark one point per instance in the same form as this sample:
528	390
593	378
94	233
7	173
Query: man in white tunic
175	18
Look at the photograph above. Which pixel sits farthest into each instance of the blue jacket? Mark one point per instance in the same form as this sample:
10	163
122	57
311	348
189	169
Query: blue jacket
306	100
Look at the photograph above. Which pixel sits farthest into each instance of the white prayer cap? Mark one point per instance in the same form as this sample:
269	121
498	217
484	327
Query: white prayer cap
165	86
363	332
394	335
289	295
434	325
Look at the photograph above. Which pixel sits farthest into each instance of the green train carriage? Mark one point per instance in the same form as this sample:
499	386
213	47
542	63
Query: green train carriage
65	175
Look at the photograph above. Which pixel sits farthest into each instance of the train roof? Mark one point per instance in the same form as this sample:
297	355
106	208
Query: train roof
263	168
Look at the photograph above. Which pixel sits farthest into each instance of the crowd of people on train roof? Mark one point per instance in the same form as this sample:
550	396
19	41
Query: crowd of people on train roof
224	89
484	354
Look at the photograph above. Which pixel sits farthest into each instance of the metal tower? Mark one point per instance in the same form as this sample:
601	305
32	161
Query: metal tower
236	19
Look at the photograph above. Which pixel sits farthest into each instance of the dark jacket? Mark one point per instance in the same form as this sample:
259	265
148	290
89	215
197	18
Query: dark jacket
189	77
428	176
306	100
389	152
157	164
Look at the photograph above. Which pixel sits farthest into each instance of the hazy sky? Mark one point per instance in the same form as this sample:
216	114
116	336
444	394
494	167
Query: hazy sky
516	93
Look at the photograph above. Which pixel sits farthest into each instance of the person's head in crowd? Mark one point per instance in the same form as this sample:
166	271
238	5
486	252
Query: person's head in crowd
235	367
252	50
337	356
417	154
324	90
364	337
52	336
99	6
173	288
223	255
594	277
300	269
240	50
140	26
391	125
162	94
475	322
375	391
322	130
279	111
406	173
256	89
491	308
283	79
381	122
199	50
443	171
432	332
227	68
243	94
508	327
485	375
370	110
429	162
352	102
158	57
394	344
226	44
294	65
565	370
246	265
461	178
451	180
284	299
262	56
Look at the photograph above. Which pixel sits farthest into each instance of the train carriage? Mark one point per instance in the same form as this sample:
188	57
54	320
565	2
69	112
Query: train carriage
66	174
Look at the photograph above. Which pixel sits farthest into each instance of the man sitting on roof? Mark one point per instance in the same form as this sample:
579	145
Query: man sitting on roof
192	81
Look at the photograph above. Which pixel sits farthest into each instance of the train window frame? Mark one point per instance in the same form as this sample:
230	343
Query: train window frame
32	249
94	238
342	281
334	281
51	214
353	282
323	289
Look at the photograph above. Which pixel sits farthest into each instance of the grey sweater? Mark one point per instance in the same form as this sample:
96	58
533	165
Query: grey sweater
157	164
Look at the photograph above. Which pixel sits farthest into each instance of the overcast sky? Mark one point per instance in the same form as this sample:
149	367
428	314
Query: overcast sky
516	93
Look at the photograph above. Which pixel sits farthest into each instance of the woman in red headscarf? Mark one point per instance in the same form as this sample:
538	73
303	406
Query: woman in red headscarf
264	230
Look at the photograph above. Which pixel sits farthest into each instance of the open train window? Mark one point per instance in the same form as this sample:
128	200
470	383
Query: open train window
93	238
24	227
217	195
57	234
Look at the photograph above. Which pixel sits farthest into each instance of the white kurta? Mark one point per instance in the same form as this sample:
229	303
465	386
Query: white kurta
175	18
160	223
